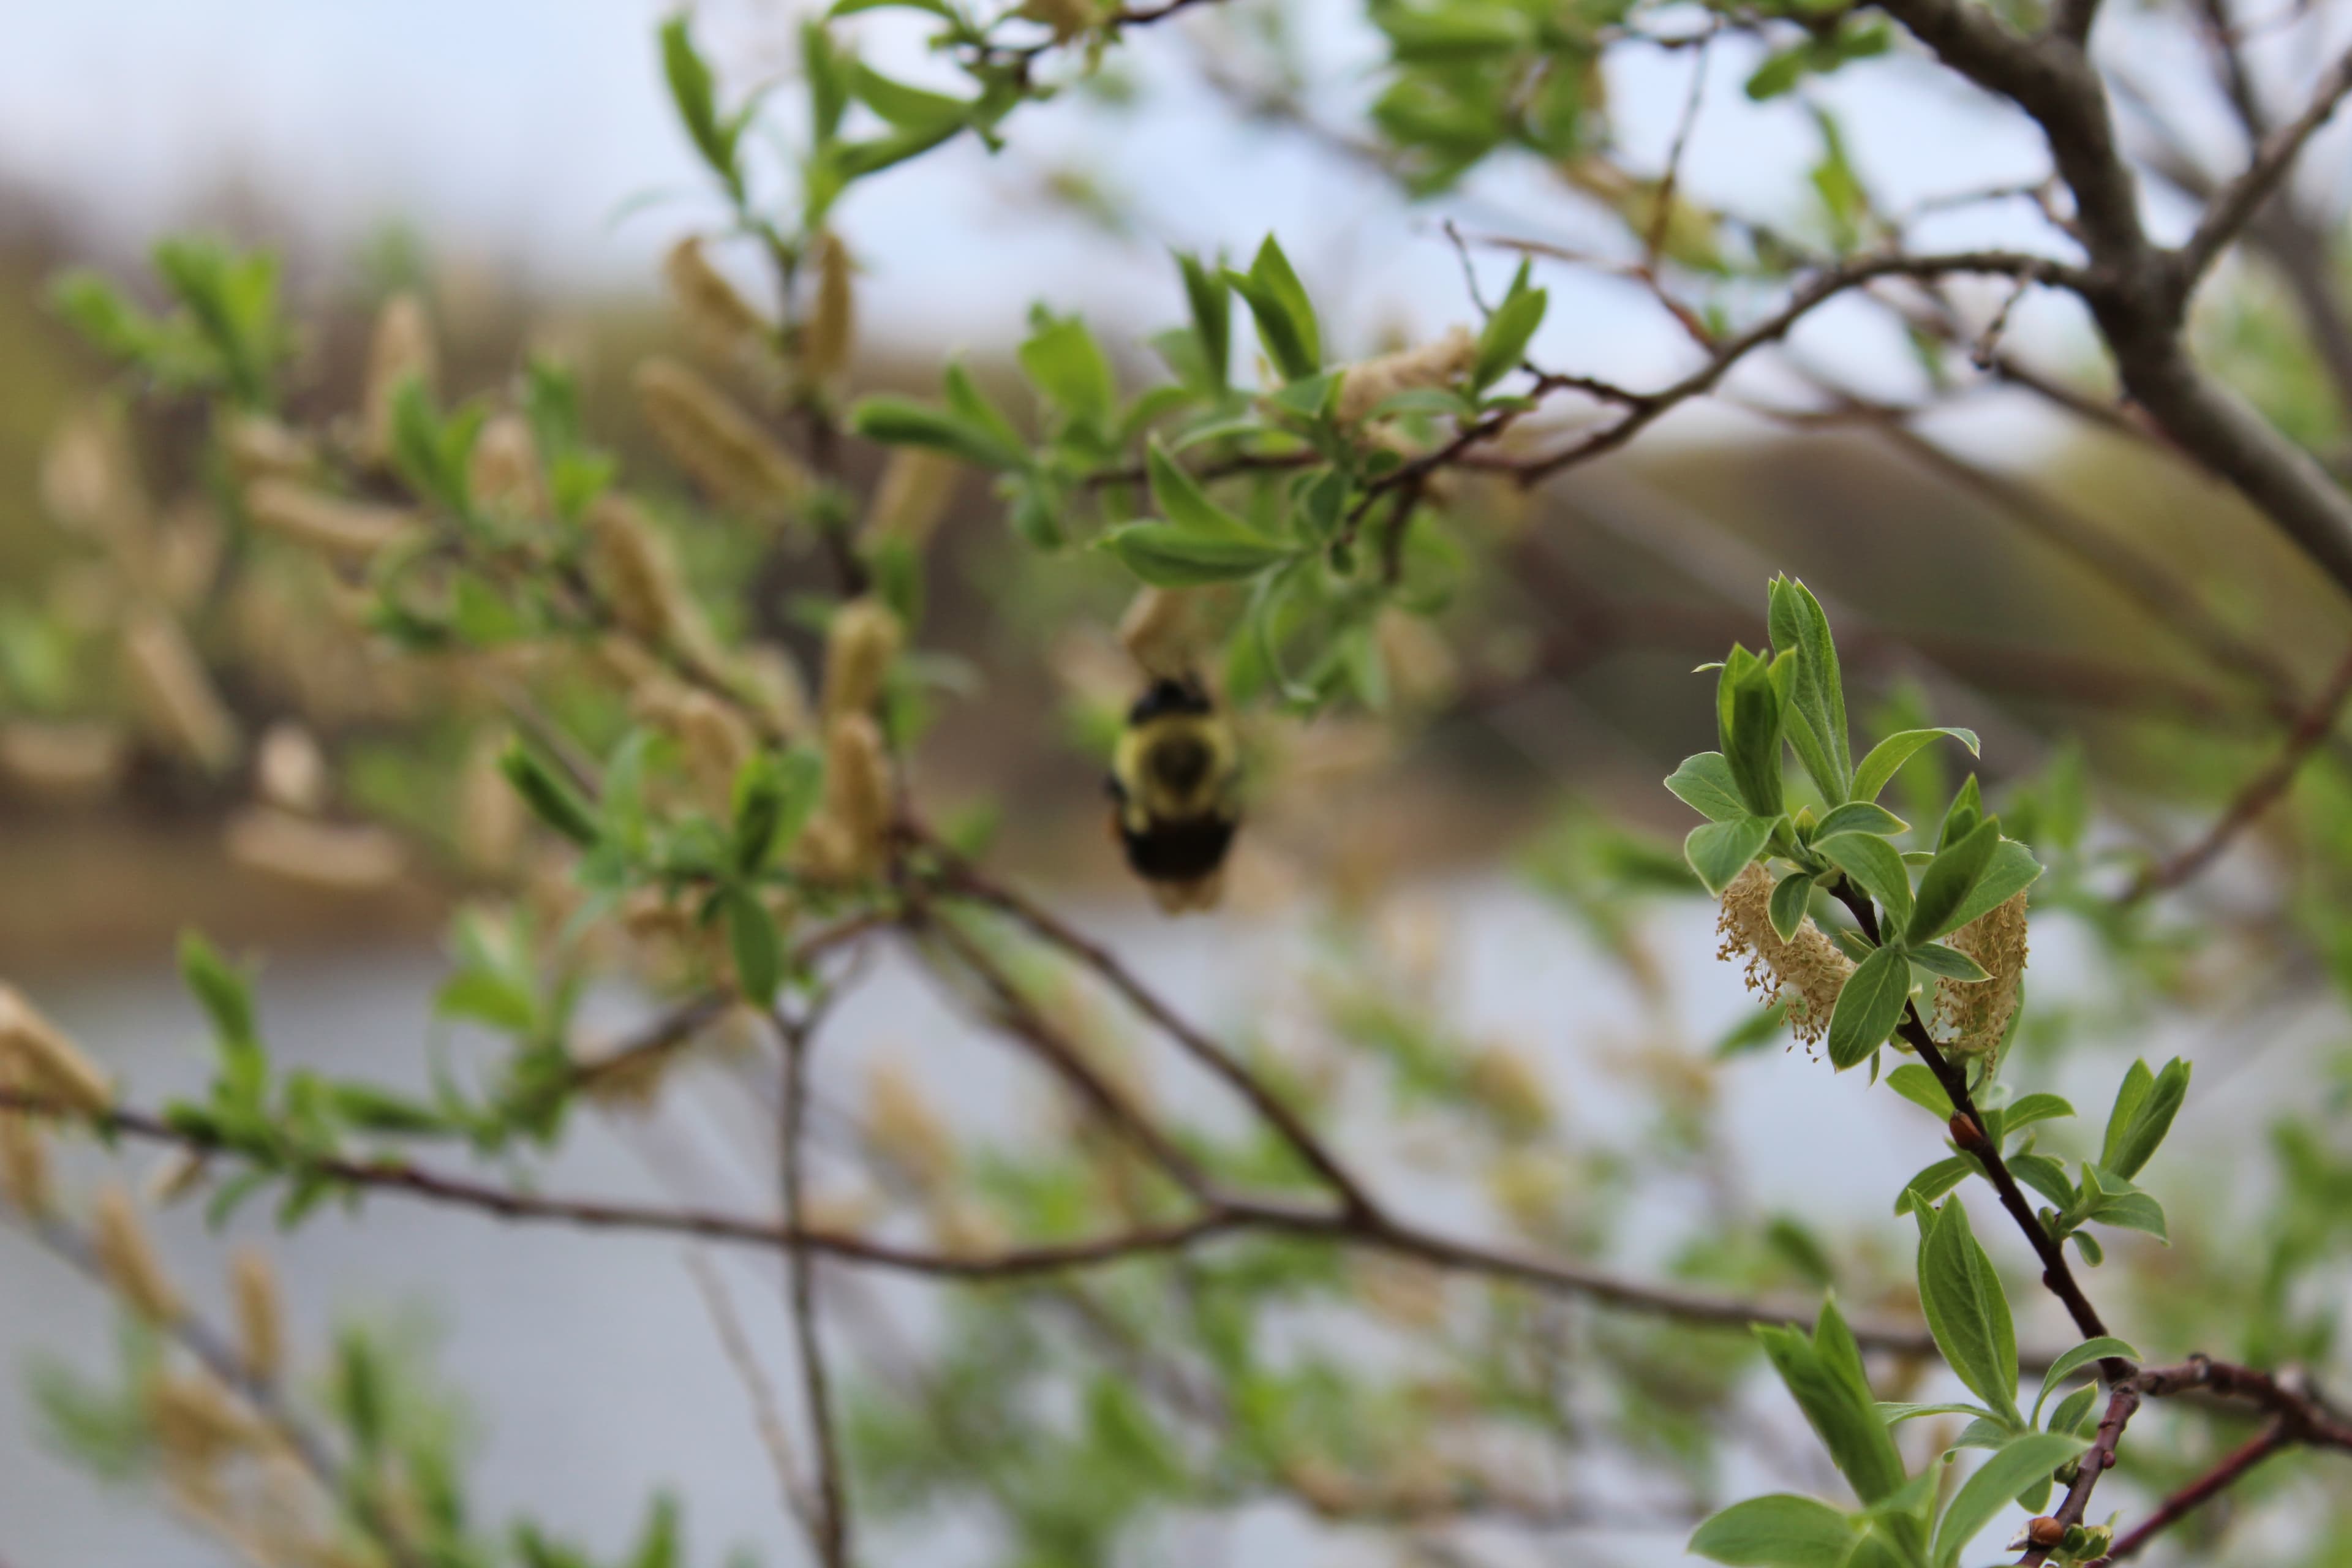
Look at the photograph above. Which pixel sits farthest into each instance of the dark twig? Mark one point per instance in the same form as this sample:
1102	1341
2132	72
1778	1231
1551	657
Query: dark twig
2233	207
831	1526
2095	1461
2232	1468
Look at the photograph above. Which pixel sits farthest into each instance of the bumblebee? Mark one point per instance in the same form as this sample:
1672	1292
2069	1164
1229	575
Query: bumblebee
1174	788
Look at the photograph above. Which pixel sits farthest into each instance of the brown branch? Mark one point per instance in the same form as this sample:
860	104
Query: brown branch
831	1525
2198	1493
2096	1461
735	1345
2256	797
2235	204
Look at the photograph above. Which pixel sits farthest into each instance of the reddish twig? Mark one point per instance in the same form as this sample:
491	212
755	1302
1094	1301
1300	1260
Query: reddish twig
2199	1493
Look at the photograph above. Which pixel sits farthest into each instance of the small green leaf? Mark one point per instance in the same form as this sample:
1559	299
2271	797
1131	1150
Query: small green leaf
1750	710
1861	817
752	938
1704	783
1967	1312
2132	1211
908	108
1167	556
1877	870
1894	751
551	797
1920	1194
227	995
1869	1007
2074	1412
2013	870
1719	851
2030	1108
1503	342
1286	318
903	422
2143	1114
1817	690
694	96
1067	365
2104	1348
1185	504
1824	1374
1779	1530
1788	900
1947	962
1915	1083
1987	1493
1212	301
1950	878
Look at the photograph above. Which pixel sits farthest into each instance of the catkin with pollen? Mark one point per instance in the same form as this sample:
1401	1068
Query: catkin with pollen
1808	969
1976	1015
719	317
36	1052
401	350
1369	383
722	447
130	1261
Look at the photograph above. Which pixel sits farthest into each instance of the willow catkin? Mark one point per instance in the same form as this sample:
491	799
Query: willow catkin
62	759
174	1175
353	530
45	1061
90	481
503	476
633	566
849	837
774	687
912	496
290	769
260	1315
1161	632
714	741
195	1423
26	1180
901	1122
1976	1016
261	448
491	819
720	447
719	317
1369	383
332	858
860	642
832	327
401	350
176	693
1807	970
129	1258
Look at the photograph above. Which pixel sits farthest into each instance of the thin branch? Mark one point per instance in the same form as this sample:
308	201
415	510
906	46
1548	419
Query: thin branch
2235	206
2258	794
2096	1461
2232	1468
831	1529
766	1415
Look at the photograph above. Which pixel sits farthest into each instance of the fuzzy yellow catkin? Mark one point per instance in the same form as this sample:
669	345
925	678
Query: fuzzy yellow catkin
1808	969
337	858
90	481
720	447
503	475
719	317
47	1063
490	816
832	327
172	1177
290	769
1422	670
1976	1016
634	567
193	1422
62	759
260	1315
1160	631
401	350
852	831
902	1124
1510	1088
912	496
712	736
772	684
129	1258
859	644
26	1180
176	693
1369	383
261	447
353	530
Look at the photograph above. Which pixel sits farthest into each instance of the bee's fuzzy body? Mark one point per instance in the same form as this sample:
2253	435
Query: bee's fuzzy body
1173	785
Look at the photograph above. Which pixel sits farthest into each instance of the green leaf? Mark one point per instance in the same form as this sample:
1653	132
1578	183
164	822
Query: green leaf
694	94
1278	304
1704	783
1894	751
2104	1348
225	994
2145	1107
1719	851
1861	817
1788	900
1824	1374
1817	690
1187	506
1877	870
1915	1083
1987	1492
1967	1312
1920	1193
775	795
2044	1175
1779	1530
2012	870
1950	878
550	796
752	938
2074	1412
2030	1108
1450	34
1168	556
1894	1414
903	422
1211	302
2132	1211
908	108
1749	711
858	159
1947	962
1067	365
1504	341
1869	1007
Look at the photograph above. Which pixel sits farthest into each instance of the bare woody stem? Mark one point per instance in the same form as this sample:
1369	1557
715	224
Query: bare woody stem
831	1524
2235	1467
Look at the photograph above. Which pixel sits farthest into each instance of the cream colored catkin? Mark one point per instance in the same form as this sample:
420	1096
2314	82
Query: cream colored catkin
260	1315
504	474
39	1057
401	350
1369	383
721	319
911	496
1161	631
719	446
850	836
176	693
27	1181
1807	970
860	642
126	1255
831	331
634	567
346	530
1976	1015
